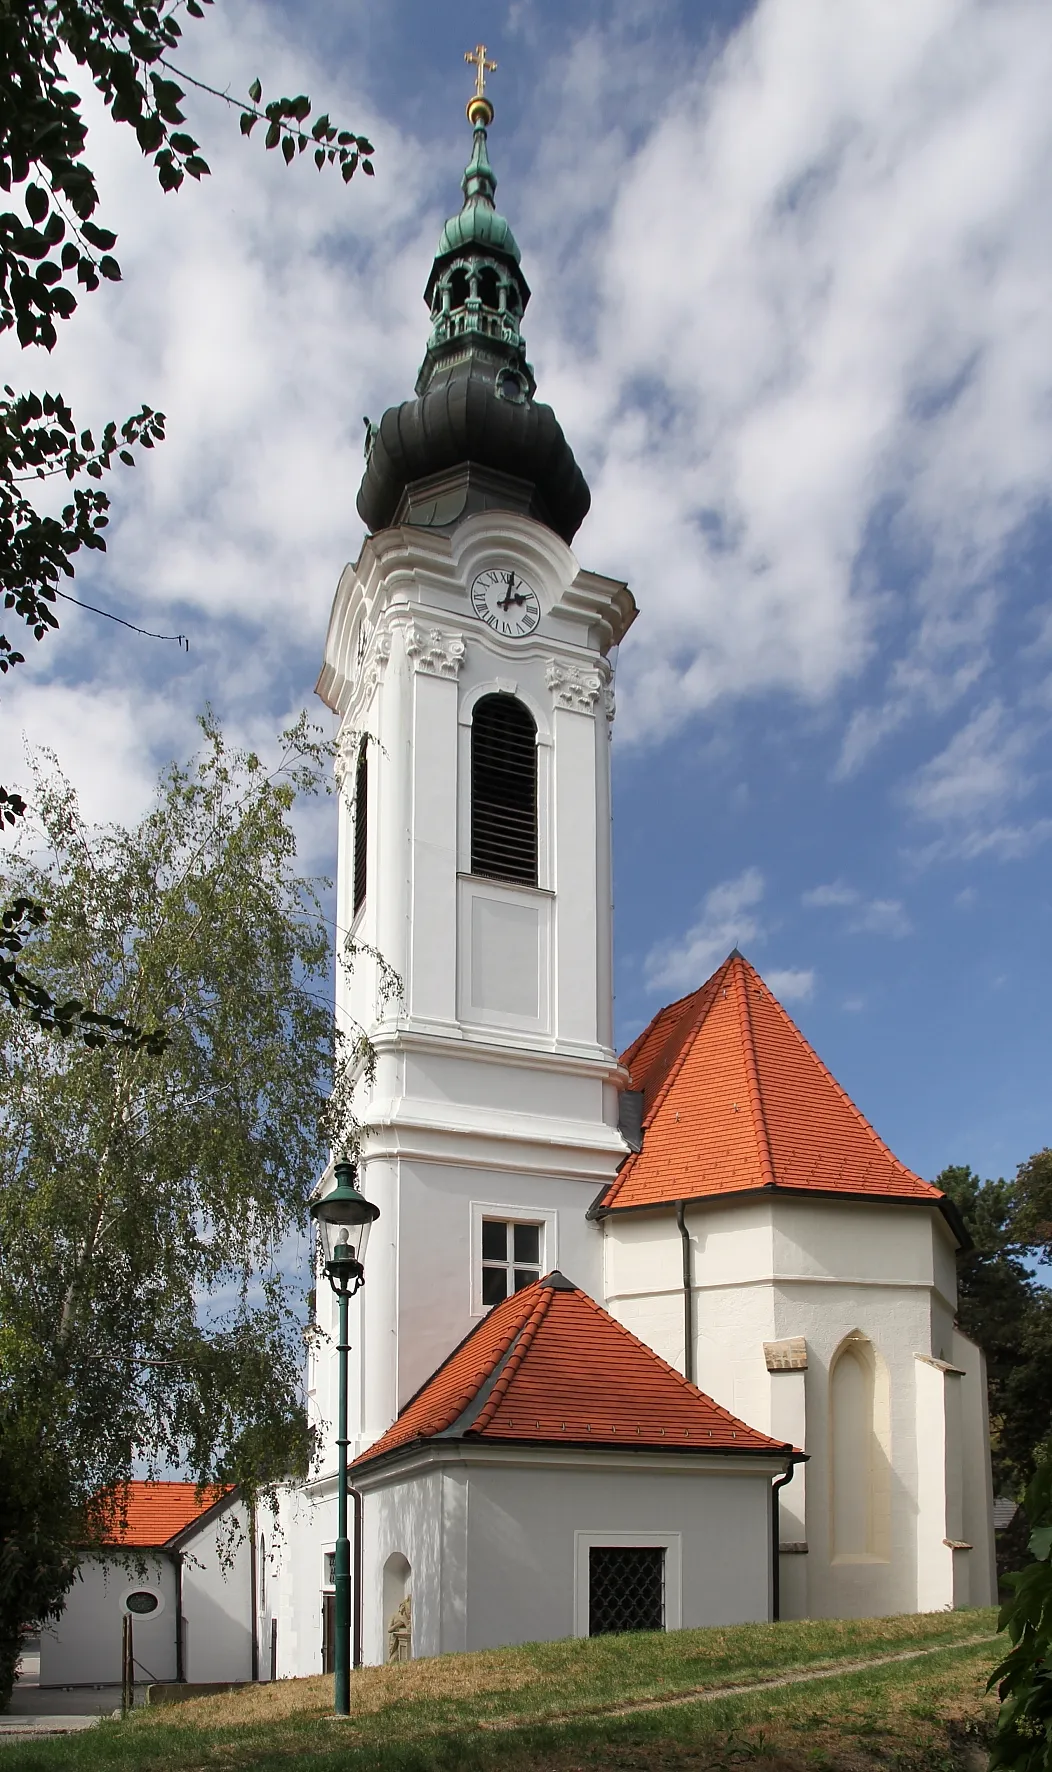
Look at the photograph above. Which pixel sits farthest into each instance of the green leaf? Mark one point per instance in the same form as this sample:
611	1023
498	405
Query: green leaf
110	269
273	135
367	168
36	203
255	92
100	237
288	148
248	122
1040	1545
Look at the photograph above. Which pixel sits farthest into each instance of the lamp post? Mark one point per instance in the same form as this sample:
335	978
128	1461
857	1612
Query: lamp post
344	1218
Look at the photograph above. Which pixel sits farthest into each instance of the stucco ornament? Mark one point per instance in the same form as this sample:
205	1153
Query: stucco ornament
573	686
433	652
346	757
375	663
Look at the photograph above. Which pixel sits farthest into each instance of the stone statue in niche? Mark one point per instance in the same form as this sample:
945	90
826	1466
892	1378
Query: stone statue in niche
400	1631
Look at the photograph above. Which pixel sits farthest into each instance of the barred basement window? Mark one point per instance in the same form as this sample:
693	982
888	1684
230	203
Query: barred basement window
504	791
626	1589
511	1258
361	826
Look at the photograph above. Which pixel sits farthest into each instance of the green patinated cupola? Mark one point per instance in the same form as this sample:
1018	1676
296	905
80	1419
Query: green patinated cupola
476	290
474	437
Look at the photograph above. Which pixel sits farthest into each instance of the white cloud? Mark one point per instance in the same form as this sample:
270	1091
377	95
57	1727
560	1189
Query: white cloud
981	769
821	342
792	984
727	918
826	897
868	916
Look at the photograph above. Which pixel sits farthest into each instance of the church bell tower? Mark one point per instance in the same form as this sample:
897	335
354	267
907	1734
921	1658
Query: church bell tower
469	659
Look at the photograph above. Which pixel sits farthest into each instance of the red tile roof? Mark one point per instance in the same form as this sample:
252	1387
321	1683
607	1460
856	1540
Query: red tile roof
147	1515
548	1364
734	1098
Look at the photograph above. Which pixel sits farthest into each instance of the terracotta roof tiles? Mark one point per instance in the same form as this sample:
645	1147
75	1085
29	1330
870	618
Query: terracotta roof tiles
147	1515
550	1365
734	1099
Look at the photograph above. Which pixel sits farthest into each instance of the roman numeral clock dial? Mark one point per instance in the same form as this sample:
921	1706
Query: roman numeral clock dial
506	602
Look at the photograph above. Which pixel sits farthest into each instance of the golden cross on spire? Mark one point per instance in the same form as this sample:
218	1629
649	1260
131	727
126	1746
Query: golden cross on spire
477	57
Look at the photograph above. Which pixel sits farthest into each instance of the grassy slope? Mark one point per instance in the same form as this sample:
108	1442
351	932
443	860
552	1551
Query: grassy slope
554	1705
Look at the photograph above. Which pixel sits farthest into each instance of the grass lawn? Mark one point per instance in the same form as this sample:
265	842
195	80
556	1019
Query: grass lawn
561	1706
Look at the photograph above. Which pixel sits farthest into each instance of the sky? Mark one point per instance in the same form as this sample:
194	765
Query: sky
792	275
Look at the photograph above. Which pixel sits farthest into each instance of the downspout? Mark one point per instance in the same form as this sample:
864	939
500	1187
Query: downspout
776	1541
356	1597
180	1670
688	1296
254	1553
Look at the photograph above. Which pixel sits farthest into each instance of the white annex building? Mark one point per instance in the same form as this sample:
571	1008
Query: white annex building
653	1341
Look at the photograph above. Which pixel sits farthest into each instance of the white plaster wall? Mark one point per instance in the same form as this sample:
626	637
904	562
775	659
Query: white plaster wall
218	1621
768	1269
306	1529
977	1482
83	1647
491	1544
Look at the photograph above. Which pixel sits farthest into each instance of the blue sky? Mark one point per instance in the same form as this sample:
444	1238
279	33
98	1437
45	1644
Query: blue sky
792	273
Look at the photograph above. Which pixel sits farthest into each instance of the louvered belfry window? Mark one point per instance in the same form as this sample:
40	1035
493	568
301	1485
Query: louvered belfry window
361	826
504	790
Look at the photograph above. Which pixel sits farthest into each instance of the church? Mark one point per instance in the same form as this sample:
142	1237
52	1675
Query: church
645	1342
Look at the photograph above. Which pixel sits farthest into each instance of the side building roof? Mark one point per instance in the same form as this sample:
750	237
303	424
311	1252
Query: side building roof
735	1099
147	1515
550	1366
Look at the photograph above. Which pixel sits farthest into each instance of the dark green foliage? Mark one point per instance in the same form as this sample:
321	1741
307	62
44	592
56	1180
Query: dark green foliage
38	1525
1023	1740
1006	1310
147	1199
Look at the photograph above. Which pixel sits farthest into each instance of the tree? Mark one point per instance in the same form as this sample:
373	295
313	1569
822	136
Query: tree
146	1199
1003	1307
1023	1737
56	249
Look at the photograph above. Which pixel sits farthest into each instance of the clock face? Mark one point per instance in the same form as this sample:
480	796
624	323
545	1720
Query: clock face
506	602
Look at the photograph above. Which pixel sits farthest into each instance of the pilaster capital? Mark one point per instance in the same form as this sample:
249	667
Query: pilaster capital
433	652
573	686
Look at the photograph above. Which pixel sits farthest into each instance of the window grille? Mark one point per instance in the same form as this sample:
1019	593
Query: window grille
626	1589
504	791
511	1258
361	826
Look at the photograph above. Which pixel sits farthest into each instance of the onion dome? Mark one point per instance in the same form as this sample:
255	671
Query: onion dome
475	437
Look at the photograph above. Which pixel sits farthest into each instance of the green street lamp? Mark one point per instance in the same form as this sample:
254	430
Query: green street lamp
344	1218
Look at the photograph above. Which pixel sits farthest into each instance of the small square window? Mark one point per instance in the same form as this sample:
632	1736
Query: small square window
509	1262
626	1589
329	1569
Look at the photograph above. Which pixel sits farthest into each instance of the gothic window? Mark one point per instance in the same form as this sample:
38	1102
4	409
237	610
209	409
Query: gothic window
626	1589
511	1258
504	791
361	826
859	1433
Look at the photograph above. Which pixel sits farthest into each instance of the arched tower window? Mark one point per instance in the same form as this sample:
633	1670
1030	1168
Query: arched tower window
361	826
504	790
858	1439
489	288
